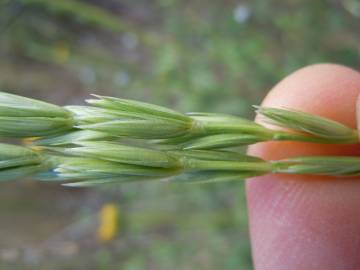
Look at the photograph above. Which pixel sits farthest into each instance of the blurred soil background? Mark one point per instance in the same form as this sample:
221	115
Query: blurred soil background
217	56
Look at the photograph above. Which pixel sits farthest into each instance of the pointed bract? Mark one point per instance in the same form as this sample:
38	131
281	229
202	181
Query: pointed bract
136	107
309	123
18	106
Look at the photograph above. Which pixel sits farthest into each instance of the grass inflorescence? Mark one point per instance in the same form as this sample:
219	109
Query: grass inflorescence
115	140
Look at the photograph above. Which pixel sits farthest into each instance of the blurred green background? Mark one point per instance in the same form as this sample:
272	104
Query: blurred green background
218	56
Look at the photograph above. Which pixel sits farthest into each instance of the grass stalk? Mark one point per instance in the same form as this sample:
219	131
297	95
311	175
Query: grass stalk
116	140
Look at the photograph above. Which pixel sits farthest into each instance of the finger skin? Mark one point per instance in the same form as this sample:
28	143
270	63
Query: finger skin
300	222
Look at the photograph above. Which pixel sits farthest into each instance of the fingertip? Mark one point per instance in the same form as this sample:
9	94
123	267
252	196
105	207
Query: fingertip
328	90
297	223
358	114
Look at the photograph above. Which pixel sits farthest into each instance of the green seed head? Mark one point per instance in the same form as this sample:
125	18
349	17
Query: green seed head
131	119
222	141
125	154
25	117
137	108
327	129
320	165
70	138
18	161
18	106
81	144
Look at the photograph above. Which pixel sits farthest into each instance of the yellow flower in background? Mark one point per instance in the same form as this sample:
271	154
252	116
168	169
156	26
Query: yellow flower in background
109	222
61	52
